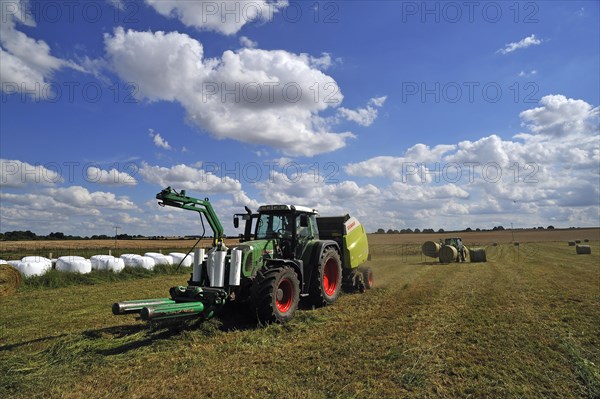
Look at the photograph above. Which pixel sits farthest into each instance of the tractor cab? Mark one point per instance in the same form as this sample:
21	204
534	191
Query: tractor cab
290	226
456	242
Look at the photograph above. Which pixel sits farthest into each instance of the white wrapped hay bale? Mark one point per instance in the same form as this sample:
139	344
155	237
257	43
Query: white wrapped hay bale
13	263
31	268
131	260
146	262
98	261
107	262
74	264
186	261
139	261
160	259
37	259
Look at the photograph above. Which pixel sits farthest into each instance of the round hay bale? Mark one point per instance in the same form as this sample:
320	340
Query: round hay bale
186	261
74	264
35	259
477	255
160	259
586	240
142	262
571	243
431	249
448	254
113	264
10	279
516	243
131	260
98	261
146	262
495	244
583	250
577	241
31	268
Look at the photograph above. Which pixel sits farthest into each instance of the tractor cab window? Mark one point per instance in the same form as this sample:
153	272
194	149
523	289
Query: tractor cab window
309	231
271	226
302	231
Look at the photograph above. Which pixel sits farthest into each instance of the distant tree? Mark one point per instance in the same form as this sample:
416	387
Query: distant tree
441	231
380	231
496	228
468	229
20	235
390	231
406	231
550	227
396	231
541	228
56	236
428	231
478	229
417	231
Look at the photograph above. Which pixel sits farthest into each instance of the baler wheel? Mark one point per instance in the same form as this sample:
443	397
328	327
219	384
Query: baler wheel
275	294
368	278
326	283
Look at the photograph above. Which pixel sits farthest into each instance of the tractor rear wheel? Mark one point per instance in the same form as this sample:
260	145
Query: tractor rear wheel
326	283
275	294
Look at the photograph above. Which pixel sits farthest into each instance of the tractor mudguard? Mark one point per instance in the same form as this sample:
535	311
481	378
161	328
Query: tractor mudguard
296	264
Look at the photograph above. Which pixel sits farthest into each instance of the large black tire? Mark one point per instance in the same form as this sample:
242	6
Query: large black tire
275	294
326	281
368	278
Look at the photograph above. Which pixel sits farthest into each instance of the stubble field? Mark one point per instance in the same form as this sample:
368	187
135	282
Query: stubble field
524	324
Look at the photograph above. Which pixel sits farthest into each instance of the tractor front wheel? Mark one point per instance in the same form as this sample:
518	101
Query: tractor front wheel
326	282
276	293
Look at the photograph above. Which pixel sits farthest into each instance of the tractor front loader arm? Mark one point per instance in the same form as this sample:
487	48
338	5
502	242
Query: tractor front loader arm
170	197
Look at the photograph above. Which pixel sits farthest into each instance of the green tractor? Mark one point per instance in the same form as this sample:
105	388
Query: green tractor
452	250
286	254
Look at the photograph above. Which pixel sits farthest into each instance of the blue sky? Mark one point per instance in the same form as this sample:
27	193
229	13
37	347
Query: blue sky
406	114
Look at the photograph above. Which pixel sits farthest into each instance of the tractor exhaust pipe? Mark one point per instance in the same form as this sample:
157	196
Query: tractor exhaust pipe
169	311
137	305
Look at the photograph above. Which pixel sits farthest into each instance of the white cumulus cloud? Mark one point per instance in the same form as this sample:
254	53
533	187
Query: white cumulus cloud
17	174
159	141
561	116
548	175
27	65
523	43
363	116
188	178
111	177
226	17
248	43
257	96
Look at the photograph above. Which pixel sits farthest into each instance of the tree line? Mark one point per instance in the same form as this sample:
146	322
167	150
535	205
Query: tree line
31	236
431	231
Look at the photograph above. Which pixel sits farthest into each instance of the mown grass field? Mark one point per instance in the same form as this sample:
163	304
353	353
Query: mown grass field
525	324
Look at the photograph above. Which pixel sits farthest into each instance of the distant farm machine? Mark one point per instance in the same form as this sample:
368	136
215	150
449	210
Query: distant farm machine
287	253
453	250
447	250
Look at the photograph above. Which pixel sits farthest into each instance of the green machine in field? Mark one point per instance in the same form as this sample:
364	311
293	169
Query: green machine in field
287	253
